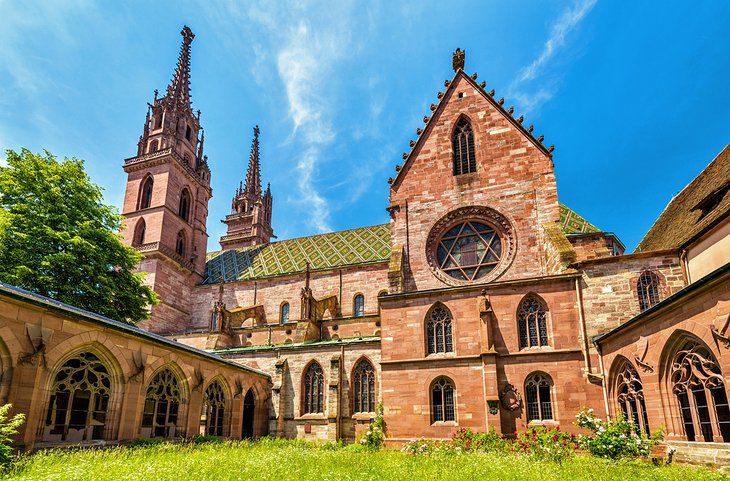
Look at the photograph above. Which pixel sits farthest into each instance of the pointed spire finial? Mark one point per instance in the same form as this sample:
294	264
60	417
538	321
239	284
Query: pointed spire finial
458	59
179	89
253	176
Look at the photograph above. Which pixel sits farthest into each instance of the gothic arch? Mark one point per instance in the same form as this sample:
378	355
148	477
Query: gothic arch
463	146
180	410
313	391
540	397
649	287
533	322
359	297
140	232
6	370
185	204
626	392
225	420
442	395
146	190
694	389
109	358
181	243
438	328
354	381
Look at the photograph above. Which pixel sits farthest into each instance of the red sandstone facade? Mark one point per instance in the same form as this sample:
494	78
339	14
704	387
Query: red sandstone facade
475	307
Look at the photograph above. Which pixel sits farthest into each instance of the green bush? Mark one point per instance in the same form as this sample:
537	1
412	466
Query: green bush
8	427
546	443
465	440
144	442
614	439
207	439
374	436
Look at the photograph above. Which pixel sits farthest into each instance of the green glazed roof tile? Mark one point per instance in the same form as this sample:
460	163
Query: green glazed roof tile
572	223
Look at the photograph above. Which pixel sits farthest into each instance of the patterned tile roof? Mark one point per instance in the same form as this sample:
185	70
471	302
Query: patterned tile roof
365	245
572	223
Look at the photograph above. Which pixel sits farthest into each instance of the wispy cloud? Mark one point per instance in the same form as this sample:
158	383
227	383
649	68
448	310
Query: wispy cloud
306	42
569	19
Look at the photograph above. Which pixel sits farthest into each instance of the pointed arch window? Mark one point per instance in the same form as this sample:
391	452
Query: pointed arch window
442	400
358	306
214	410
284	318
146	197
184	208
314	389
188	132
630	396
139	233
532	323
463	148
438	330
249	415
79	401
162	406
180	244
647	290
538	397
363	381
699	386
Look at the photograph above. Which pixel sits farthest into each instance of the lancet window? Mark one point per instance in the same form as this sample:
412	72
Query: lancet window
532	323
364	387
463	148
442	400
630	397
438	330
314	389
214	410
162	406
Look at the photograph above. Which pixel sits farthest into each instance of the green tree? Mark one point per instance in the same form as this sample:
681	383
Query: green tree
58	239
8	427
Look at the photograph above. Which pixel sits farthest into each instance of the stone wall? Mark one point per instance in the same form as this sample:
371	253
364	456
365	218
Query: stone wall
132	358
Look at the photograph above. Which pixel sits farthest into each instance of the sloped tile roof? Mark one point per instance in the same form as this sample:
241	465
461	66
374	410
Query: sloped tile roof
364	245
683	218
572	223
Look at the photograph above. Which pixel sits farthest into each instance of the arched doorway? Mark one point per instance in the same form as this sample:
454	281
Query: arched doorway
249	409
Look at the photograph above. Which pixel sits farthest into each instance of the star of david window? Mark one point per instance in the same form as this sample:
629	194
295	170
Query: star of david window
469	250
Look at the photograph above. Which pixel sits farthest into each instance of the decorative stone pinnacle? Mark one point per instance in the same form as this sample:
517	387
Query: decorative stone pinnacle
187	34
458	59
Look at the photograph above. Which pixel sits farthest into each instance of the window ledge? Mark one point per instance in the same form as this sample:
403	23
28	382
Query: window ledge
440	355
363	416
444	424
312	417
548	423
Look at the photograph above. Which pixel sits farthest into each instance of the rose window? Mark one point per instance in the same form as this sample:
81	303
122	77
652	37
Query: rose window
469	251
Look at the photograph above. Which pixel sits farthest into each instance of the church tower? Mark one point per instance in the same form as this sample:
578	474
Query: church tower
249	223
166	201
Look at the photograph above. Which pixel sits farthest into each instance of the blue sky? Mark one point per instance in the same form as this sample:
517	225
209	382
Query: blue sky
634	95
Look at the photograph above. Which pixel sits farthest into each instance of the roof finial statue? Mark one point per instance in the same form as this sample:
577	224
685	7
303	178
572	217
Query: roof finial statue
458	59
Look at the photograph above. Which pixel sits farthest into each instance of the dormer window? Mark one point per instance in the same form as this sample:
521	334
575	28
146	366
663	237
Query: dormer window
463	148
712	200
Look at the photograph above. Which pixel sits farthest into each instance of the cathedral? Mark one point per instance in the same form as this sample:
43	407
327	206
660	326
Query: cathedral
483	303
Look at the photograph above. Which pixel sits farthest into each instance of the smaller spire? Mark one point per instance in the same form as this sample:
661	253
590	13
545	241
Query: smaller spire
253	176
200	144
457	60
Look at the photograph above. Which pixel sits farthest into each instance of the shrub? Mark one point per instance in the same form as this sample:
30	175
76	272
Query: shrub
466	440
207	439
8	427
546	443
373	437
425	446
145	442
614	439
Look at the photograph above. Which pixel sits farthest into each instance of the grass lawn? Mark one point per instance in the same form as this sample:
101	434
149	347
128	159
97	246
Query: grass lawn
290	460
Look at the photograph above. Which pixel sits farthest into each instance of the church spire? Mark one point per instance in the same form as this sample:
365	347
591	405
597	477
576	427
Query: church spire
253	176
178	92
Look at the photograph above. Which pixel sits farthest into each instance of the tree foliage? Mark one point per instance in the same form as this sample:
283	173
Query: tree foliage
8	427
58	239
